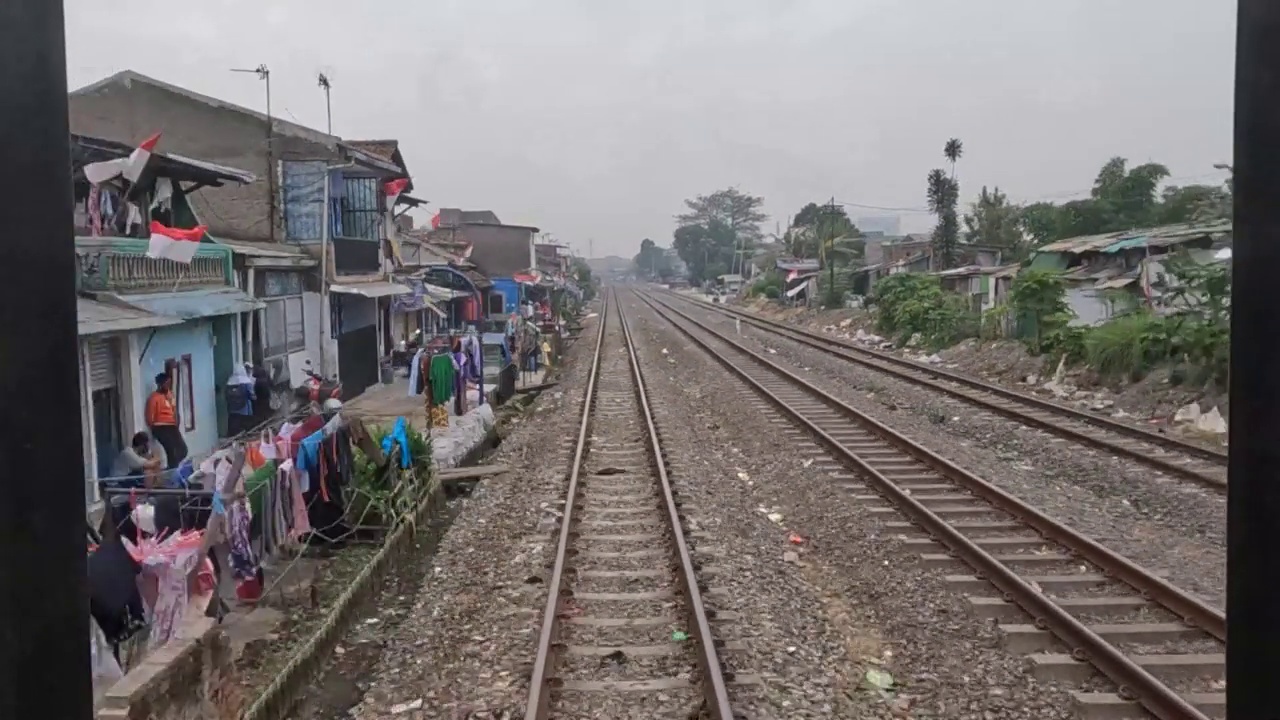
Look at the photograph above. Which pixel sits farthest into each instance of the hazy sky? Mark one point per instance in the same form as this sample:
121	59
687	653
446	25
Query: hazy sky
593	119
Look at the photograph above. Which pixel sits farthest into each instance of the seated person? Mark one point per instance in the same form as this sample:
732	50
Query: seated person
138	464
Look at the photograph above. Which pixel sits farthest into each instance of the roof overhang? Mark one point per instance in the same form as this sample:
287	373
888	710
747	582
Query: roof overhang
371	289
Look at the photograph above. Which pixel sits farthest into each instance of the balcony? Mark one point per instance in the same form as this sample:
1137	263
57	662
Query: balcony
121	265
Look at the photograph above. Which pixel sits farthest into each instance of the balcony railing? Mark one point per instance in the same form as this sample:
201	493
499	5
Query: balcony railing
105	268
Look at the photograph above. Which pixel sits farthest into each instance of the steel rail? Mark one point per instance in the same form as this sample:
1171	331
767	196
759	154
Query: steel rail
539	685
715	692
903	368
1131	679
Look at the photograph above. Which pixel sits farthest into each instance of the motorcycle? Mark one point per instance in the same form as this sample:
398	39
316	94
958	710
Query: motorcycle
316	390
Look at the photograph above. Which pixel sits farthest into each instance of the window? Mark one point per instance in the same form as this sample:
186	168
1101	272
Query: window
182	386
284	331
361	209
496	303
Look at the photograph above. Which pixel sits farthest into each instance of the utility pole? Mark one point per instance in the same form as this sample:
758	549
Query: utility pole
44	646
1253	504
323	81
264	74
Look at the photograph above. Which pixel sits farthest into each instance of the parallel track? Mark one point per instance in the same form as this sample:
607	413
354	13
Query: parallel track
1203	465
625	633
1160	648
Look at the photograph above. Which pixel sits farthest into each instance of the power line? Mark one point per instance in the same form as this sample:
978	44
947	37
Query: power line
1063	195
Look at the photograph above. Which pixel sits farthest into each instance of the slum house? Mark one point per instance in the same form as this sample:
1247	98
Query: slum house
982	287
500	252
914	253
1111	272
139	316
438	305
276	223
799	279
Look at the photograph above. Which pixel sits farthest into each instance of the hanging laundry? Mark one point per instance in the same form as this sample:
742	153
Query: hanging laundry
163	193
399	435
95	211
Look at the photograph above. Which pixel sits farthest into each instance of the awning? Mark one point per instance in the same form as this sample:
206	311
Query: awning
372	289
798	288
95	318
193	304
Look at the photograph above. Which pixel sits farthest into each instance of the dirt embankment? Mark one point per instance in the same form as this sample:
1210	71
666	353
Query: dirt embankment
1153	400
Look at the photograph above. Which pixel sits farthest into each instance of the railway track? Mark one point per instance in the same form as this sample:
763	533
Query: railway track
625	633
1132	644
1170	455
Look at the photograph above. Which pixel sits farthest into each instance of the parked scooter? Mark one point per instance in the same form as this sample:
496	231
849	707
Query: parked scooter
316	390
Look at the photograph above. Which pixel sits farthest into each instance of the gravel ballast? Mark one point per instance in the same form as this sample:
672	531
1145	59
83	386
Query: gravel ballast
1163	523
819	593
462	644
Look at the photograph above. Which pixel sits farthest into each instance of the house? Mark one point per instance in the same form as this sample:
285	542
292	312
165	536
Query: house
731	283
983	287
1108	272
499	251
799	278
315	213
138	316
887	255
445	297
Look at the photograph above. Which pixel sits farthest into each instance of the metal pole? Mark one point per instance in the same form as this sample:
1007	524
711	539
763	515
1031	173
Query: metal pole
44	646
1253	504
326	314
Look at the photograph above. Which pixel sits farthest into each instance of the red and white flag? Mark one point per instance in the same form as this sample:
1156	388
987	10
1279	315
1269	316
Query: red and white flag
435	221
129	167
393	189
174	244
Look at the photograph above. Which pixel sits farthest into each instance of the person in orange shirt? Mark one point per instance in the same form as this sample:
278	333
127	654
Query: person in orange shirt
162	419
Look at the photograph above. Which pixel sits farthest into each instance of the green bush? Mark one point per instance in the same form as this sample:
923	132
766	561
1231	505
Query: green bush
1125	347
1037	300
909	304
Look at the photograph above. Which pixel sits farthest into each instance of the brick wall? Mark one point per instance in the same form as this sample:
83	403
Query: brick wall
190	678
131	110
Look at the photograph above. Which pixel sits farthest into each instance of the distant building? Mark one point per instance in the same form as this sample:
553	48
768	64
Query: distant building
883	224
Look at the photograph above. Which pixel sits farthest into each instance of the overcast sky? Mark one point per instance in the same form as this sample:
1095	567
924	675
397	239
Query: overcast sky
593	119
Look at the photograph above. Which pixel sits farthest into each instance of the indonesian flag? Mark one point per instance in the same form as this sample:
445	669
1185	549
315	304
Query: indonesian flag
393	190
130	167
793	275
435	221
173	243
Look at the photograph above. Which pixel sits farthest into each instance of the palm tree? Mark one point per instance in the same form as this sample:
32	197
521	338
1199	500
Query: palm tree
952	151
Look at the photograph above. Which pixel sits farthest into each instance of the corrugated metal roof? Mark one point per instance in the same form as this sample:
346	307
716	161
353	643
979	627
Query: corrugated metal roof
267	250
801	264
96	318
1162	236
191	304
371	289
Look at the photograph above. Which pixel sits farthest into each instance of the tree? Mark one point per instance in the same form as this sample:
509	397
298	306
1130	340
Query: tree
652	261
952	152
943	194
581	273
1194	203
716	229
1125	198
993	221
815	226
1128	196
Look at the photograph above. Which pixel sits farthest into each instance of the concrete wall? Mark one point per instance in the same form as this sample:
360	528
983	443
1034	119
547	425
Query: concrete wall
194	338
192	677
